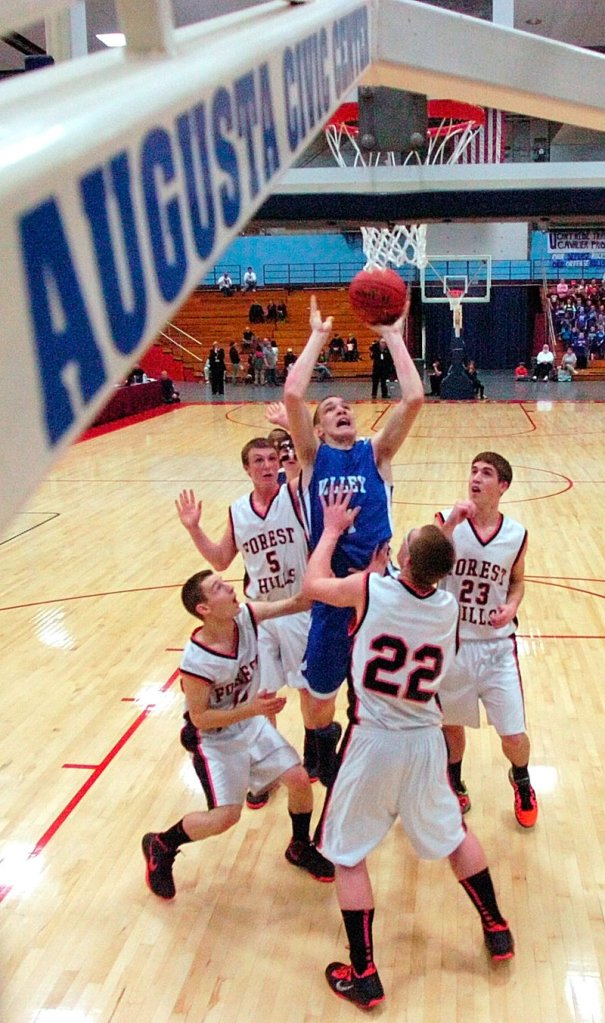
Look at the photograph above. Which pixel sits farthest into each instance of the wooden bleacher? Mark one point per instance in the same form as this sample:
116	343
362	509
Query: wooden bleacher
209	316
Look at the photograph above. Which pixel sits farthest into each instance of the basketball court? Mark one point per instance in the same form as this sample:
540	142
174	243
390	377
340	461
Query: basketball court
94	557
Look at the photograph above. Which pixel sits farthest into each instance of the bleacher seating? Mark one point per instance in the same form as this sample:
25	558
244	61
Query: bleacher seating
209	316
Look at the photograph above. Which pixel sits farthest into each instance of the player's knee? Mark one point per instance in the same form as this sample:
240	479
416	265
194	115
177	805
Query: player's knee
519	741
296	779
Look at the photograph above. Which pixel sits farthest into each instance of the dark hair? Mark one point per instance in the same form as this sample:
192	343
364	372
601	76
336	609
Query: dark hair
192	592
276	436
256	442
498	462
431	556
317	413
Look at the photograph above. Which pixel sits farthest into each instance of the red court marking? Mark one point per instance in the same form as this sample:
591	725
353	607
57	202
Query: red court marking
119	424
560	586
80	767
545	635
109	593
512	500
96	774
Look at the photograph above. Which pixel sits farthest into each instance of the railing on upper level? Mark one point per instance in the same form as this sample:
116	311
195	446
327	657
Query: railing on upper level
325	274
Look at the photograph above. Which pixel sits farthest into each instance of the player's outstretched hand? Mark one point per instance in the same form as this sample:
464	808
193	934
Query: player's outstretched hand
319	326
276	413
188	509
268	704
338	517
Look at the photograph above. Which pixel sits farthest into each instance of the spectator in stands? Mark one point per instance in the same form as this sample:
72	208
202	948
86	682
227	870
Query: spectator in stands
289	360
249	282
435	378
217	368
271	314
169	395
383	367
472	374
351	353
569	363
336	347
282	311
225	284
259	365
521	372
256	314
270	353
562	288
236	362
544	364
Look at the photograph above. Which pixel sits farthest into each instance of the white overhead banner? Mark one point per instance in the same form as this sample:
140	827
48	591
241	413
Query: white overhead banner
122	180
576	241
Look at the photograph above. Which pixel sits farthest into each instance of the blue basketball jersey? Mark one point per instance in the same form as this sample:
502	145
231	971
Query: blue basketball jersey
354	469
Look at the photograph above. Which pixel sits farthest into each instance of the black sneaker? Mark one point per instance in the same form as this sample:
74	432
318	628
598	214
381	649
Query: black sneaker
365	990
257	802
159	866
327	764
307	856
500	943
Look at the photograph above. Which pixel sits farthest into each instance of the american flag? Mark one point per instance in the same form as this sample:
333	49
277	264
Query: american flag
488	144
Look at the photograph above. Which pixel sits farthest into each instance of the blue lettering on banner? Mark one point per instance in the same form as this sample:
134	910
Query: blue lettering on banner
171	199
100	189
63	329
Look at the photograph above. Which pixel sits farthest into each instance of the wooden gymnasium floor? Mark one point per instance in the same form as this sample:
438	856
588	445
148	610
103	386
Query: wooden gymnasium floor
91	632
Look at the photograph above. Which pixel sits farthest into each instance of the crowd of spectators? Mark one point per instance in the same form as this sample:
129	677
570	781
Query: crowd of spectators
578	312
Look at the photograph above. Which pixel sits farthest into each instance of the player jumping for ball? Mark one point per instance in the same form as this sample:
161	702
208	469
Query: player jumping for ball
331	455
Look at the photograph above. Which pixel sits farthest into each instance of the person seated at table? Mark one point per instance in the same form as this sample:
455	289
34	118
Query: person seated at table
545	361
569	363
169	395
136	375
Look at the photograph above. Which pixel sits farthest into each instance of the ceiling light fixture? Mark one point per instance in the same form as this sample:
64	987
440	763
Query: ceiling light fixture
112	38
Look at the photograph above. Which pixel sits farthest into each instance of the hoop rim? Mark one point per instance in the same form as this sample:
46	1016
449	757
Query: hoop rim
465	116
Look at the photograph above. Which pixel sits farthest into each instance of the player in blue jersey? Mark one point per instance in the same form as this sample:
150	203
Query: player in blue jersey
331	454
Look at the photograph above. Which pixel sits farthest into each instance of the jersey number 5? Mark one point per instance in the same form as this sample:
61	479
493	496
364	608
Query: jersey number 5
428	660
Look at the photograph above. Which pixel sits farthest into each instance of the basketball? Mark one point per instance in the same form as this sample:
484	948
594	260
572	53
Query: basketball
378	296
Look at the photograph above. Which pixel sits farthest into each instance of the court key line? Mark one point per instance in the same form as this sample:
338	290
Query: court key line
97	771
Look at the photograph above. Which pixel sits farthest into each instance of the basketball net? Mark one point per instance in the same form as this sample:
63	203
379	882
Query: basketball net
455	298
397	245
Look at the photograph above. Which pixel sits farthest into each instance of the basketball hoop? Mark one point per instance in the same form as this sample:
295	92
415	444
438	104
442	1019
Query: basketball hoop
397	245
455	299
342	135
452	127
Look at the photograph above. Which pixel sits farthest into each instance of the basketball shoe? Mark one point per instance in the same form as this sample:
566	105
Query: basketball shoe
257	802
526	804
307	856
363	989
499	942
159	866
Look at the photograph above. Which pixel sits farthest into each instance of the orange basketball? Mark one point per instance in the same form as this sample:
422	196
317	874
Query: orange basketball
378	296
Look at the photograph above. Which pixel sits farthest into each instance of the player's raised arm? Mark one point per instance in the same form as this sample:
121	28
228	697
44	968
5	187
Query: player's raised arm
399	422
219	555
300	422
319	582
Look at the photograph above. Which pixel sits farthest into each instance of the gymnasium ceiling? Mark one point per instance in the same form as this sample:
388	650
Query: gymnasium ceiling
580	22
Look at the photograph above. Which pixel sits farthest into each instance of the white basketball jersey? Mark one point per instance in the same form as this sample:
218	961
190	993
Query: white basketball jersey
403	644
273	546
480	578
234	677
